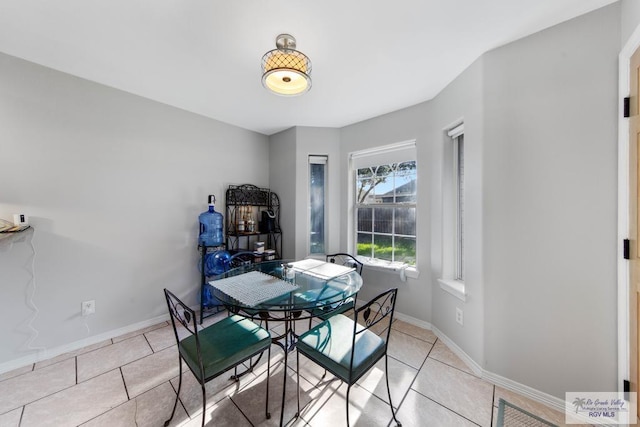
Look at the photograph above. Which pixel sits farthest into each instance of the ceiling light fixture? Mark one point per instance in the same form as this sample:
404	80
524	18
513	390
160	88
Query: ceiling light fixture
286	71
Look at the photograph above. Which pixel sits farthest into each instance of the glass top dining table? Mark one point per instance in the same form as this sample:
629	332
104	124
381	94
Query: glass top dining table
264	291
306	291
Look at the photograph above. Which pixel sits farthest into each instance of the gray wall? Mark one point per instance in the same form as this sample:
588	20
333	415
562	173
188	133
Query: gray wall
540	141
630	18
289	176
317	141
463	98
113	184
282	161
550	185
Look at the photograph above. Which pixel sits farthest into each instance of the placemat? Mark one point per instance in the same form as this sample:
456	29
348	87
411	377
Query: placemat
321	269
253	288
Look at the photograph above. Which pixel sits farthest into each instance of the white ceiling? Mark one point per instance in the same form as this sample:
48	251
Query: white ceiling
369	57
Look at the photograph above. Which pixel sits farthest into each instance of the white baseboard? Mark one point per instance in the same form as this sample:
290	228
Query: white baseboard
533	394
477	369
76	345
413	320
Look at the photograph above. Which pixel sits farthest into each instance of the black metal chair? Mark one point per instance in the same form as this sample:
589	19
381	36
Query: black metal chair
327	311
211	351
345	259
347	348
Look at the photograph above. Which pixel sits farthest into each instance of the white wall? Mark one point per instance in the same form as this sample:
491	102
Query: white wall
289	176
540	145
462	99
550	180
113	185
282	167
630	18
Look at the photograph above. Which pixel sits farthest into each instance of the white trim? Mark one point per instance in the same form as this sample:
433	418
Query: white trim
454	287
477	369
317	159
76	345
623	207
383	149
413	321
456	131
533	394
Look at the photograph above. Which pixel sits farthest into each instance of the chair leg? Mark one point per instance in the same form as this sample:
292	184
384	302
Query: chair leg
266	409
175	404
298	379
348	390
386	374
204	403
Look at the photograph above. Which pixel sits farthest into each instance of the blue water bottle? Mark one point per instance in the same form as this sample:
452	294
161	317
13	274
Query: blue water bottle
210	226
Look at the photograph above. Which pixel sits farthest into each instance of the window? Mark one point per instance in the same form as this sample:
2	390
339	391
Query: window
317	186
385	203
459	173
453	220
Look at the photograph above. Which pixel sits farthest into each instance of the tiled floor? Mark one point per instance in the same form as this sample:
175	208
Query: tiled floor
132	381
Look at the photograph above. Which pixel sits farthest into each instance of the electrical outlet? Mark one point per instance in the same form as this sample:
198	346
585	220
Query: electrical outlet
88	307
459	316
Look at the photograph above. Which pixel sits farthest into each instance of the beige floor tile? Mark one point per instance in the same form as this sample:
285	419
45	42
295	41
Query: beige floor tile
216	389
414	331
108	358
150	409
443	354
11	419
418	411
310	370
328	408
221	414
458	391
161	338
378	328
251	399
151	371
400	378
16	372
301	326
71	354
408	349
139	332
26	388
77	404
529	405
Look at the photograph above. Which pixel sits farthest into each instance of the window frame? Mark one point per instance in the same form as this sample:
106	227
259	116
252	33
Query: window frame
394	153
314	159
453	242
458	167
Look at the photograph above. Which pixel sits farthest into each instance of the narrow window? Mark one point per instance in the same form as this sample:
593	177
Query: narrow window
454	235
459	167
317	195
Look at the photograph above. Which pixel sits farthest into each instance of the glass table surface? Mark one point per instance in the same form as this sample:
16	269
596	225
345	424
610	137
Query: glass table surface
311	292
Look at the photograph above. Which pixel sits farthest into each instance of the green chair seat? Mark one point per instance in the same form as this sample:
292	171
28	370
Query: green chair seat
347	348
211	351
329	344
224	345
